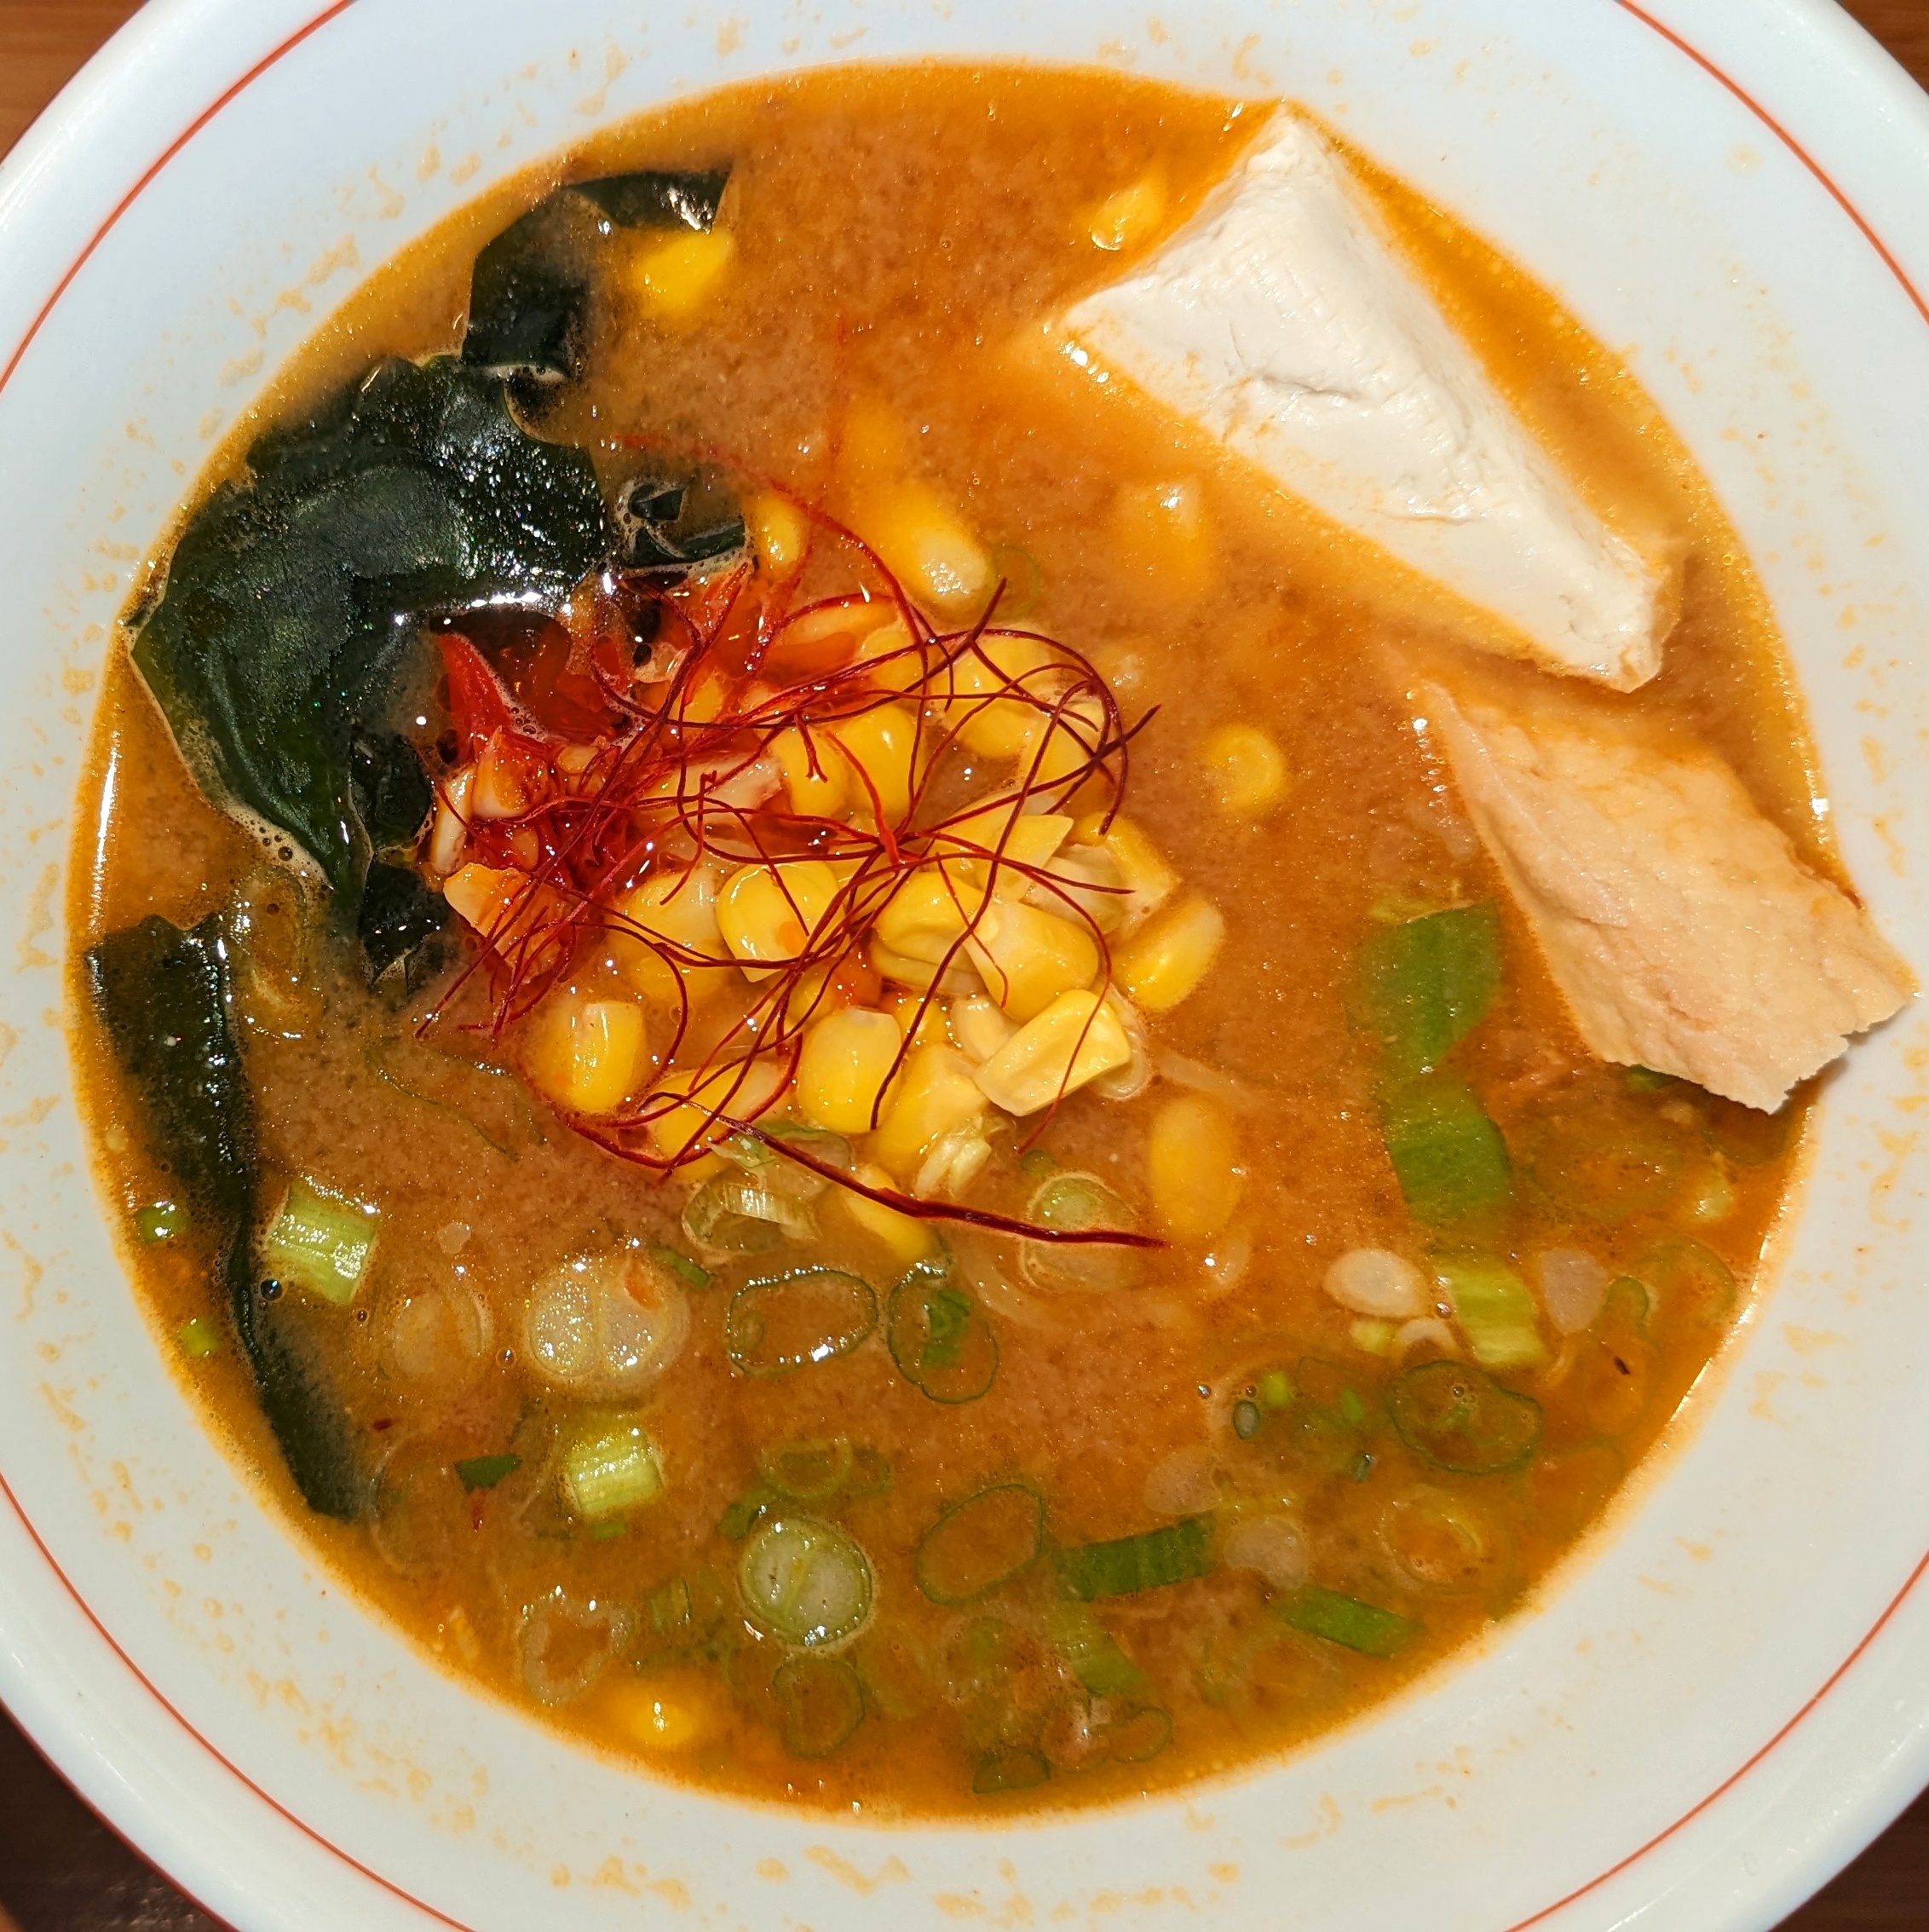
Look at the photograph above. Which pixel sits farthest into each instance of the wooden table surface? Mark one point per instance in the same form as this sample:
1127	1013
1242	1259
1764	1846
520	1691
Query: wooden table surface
60	1870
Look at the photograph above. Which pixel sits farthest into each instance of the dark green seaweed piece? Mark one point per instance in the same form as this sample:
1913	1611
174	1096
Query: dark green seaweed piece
528	297
400	915
163	996
289	598
1173	1553
390	789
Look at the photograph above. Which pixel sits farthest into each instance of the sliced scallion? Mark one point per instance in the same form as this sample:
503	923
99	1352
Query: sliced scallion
1421	986
159	1221
1172	1553
746	1512
712	1219
981	1542
319	1242
1091	1652
485	1472
610	1470
1345	1620
1078	1203
1456	1416
807	1472
1494	1308
1447	1156
1689	1278
805	1580
822	1701
938	1335
679	1265
780	1323
1016	1769
199	1338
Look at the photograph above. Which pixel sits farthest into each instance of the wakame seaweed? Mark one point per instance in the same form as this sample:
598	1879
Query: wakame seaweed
290	596
164	995
528	297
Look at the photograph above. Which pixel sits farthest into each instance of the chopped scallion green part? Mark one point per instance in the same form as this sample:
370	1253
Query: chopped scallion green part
1015	1770
321	1243
745	1513
939	1335
981	1542
1346	1621
485	1472
199	1338
611	1470
780	1323
1645	1080
1091	1652
822	1701
1037	1164
1494	1308
1422	986
807	1472
160	1220
1273	1389
1458	1417
1351	1407
1172	1553
682	1267
606	1532
1447	1156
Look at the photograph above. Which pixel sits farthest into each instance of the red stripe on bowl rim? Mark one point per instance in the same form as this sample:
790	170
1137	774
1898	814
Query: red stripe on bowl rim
397	1892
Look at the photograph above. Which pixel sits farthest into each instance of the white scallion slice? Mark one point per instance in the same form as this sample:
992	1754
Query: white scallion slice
805	1582
609	1471
319	1243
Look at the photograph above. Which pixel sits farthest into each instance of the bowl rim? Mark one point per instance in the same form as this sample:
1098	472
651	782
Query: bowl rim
1848	70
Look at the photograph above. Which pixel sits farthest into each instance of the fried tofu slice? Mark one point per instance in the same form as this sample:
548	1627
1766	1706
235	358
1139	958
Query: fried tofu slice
1678	922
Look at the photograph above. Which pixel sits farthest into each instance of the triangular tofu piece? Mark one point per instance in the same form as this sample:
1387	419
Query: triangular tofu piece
1281	319
1678	922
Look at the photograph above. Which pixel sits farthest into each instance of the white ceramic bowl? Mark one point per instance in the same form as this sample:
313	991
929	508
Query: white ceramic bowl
1718	1703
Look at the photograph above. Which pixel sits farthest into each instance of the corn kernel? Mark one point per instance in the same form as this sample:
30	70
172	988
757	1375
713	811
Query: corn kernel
979	1027
744	1092
882	743
1131	215
586	1055
482	897
1247	769
779	532
1074	1040
896	667
1192	1163
1161	531
680	908
919	1018
1086	878
1062	745
987	722
673	279
926	916
958	977
819	792
907	1238
1148	881
921	539
769	912
1027	957
1019	837
450	833
1161	965
845	1062
658	1715
932	1094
